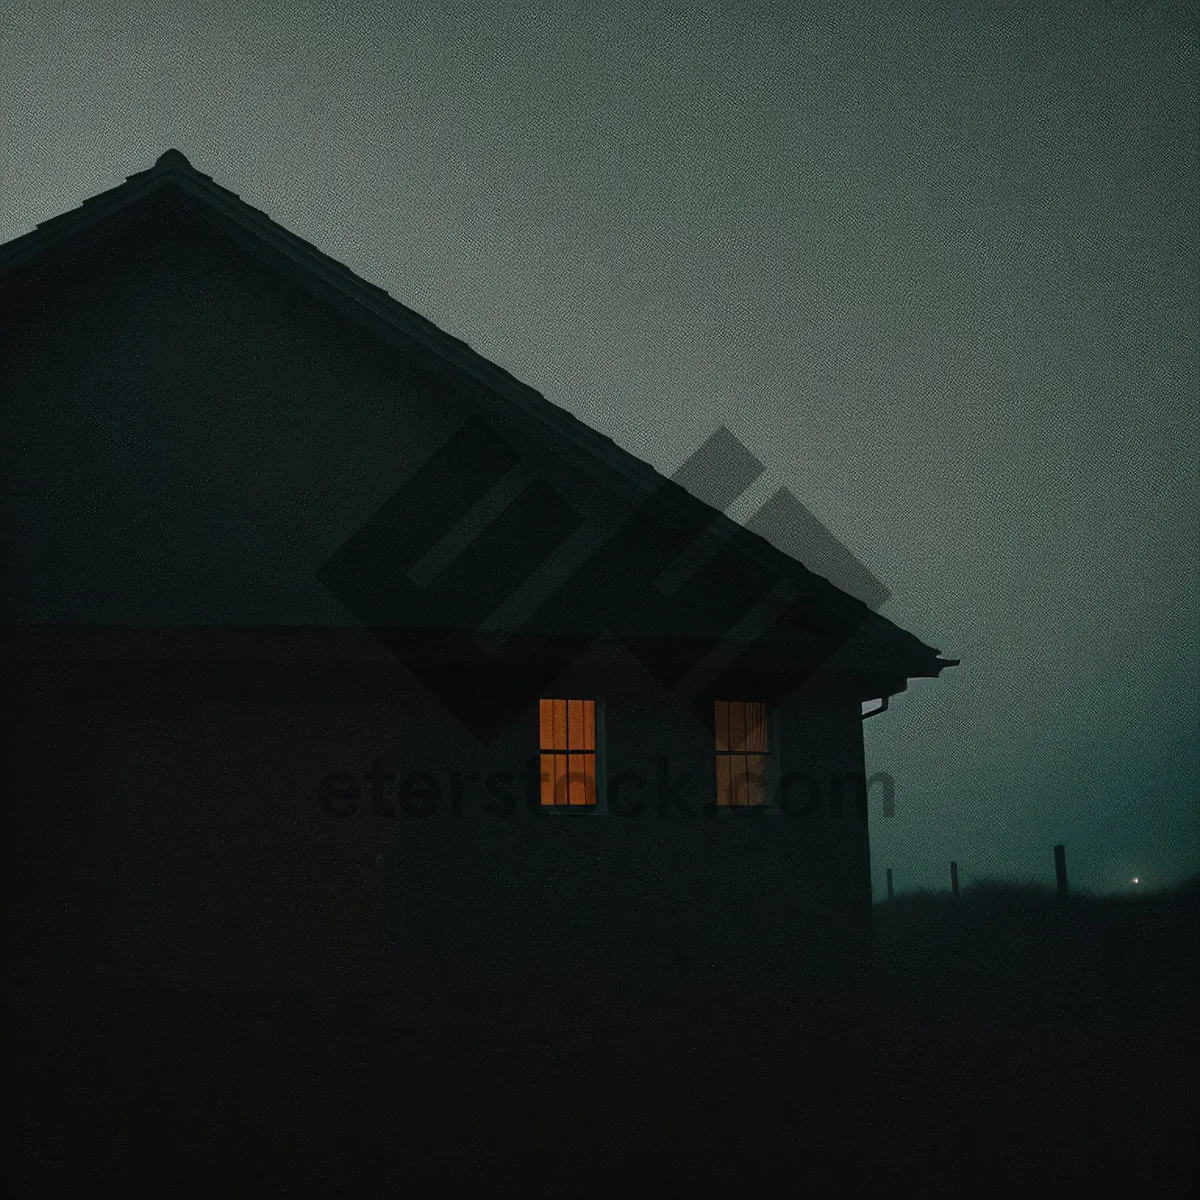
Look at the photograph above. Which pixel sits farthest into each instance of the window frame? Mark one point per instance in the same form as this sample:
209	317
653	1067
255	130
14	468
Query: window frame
599	800
770	755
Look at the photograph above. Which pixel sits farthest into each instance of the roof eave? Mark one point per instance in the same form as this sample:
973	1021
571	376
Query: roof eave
597	450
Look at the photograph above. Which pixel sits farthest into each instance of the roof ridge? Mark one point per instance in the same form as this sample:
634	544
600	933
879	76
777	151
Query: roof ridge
172	158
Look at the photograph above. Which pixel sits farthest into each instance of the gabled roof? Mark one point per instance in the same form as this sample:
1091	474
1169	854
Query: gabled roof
896	649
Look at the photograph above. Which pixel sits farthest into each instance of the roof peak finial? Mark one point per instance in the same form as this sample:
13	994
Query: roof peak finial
172	158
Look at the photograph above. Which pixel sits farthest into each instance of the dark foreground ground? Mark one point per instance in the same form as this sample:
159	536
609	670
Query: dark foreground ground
1004	1042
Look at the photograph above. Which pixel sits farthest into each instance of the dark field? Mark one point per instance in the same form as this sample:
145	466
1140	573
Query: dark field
1001	1042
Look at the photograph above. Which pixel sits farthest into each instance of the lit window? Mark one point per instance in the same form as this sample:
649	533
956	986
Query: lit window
741	752
568	746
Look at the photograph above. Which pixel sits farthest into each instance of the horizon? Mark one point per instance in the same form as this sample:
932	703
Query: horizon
936	270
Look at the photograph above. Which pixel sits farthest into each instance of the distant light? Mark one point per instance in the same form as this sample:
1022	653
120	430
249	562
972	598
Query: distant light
1135	879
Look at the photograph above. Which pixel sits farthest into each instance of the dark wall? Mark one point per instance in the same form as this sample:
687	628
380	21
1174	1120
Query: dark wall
187	439
170	825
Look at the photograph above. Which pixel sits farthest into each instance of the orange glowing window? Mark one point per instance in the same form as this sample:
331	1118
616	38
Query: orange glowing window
568	746
742	752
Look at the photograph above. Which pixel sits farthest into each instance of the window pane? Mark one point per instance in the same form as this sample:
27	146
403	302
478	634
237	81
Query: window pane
737	781
737	726
577	784
560	779
574	724
589	724
546	716
547	778
755	790
560	725
756	726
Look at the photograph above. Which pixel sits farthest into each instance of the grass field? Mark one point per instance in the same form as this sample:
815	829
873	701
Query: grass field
1001	1041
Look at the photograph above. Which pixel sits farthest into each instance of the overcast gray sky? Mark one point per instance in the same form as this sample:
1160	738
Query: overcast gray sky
935	265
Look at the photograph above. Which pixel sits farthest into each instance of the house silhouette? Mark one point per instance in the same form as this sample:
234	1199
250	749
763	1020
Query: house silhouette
330	642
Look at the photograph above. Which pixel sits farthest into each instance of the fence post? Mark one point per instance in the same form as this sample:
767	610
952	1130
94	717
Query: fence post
889	871
1060	870
954	877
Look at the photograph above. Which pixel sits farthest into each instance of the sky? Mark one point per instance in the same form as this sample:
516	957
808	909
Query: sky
935	265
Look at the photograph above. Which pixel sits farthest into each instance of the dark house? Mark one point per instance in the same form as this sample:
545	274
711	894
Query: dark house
329	642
